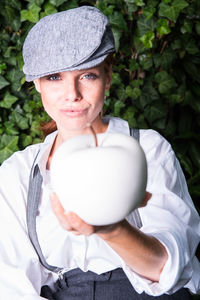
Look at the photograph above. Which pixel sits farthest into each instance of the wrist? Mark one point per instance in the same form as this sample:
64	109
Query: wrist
111	232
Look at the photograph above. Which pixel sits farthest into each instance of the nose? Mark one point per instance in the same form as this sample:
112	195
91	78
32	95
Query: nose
71	90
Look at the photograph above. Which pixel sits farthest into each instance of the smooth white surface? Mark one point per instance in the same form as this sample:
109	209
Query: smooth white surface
101	198
170	216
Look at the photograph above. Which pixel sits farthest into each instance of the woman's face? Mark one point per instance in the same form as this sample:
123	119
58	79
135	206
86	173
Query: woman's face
74	98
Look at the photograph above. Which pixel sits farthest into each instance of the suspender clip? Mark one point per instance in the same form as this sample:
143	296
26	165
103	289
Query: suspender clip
61	273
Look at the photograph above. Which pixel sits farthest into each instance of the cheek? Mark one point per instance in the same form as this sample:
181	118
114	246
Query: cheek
48	104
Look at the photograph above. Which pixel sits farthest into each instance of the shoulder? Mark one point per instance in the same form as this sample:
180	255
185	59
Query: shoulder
20	161
24	159
155	145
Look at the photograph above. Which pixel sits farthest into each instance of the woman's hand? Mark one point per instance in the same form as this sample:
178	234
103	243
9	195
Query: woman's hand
73	223
69	220
143	253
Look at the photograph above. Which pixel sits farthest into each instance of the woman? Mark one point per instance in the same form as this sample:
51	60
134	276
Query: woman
49	254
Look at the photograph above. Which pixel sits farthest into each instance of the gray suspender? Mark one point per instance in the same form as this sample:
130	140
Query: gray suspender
34	192
135	215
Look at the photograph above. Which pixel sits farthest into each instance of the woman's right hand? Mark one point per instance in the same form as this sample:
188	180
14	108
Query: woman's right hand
70	221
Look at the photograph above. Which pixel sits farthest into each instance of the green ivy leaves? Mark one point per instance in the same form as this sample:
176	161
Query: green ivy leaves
165	82
31	14
3	82
8	145
172	9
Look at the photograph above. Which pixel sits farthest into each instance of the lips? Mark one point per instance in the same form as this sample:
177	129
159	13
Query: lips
74	112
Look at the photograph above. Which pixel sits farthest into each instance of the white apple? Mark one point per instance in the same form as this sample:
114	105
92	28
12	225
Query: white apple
101	184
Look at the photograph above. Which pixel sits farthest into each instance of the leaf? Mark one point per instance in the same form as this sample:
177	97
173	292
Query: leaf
145	26
8	100
48	9
16	24
139	2
195	154
129	116
149	94
133	93
137	82
2	68
32	14
117	35
140	48
148	11
3	82
167	58
187	27
19	120
172	11
191	46
146	61
10	128
15	4
120	92
116	79
147	39
37	2
118	105
14	76
133	65
26	140
155	112
8	51
57	2
197	27
9	13
8	145
117	20
165	81
163	27
131	9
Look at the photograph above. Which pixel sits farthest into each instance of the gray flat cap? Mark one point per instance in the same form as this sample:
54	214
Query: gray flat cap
75	39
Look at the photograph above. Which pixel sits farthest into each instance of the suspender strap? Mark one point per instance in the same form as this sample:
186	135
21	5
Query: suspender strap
135	133
34	193
135	214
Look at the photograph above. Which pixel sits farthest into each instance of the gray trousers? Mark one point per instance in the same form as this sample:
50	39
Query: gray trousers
113	285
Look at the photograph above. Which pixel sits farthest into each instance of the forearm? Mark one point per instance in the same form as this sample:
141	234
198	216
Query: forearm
143	253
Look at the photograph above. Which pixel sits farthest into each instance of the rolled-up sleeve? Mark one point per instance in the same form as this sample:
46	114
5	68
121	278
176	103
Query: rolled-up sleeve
169	216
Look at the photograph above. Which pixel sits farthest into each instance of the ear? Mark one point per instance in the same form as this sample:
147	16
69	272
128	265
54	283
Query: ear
109	78
37	84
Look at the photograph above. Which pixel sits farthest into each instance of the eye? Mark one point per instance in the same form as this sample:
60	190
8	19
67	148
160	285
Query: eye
53	77
90	76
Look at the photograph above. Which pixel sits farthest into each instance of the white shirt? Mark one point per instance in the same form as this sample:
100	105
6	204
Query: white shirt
169	216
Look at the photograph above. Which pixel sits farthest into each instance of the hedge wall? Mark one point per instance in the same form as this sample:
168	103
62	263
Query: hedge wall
156	79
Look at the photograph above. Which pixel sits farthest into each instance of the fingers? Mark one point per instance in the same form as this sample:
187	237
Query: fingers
59	211
147	197
69	220
79	225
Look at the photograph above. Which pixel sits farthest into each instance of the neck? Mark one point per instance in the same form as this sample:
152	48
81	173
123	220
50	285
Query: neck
63	135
